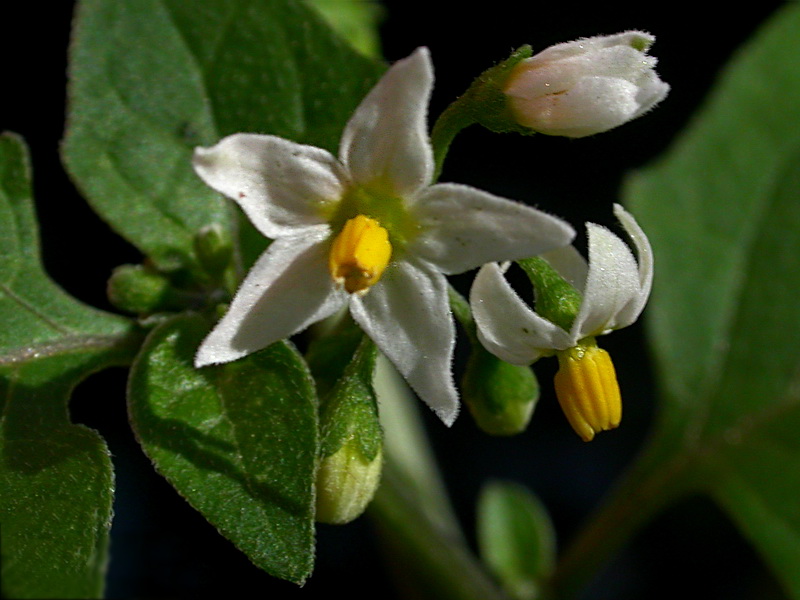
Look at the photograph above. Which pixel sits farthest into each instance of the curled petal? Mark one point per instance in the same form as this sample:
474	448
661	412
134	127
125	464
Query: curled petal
407	315
612	282
280	185
287	290
644	253
464	228
507	327
385	142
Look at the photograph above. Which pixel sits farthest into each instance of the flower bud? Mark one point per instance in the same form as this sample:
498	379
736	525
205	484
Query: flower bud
141	290
351	444
214	248
346	483
500	396
587	86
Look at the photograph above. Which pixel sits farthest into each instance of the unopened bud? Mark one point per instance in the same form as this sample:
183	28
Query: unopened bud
214	248
500	396
351	444
346	483
140	290
587	86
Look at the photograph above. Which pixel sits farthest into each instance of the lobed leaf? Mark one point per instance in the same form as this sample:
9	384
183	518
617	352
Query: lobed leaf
56	477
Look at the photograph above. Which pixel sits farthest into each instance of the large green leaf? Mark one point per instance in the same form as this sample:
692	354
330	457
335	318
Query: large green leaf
238	441
722	212
152	79
56	477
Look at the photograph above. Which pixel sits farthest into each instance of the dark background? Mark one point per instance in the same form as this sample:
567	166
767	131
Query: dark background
161	548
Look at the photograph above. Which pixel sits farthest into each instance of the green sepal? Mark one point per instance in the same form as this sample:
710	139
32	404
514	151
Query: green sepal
556	299
331	350
350	411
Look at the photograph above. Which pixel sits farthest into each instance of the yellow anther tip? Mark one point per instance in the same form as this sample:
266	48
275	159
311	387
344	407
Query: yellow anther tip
359	254
587	390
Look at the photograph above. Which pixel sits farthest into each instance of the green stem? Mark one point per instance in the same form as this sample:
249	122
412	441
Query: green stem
455	118
429	562
653	483
412	512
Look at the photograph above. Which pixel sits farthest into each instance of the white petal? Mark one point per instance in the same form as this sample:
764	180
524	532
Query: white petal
593	105
507	327
651	91
407	315
592	44
463	228
612	282
386	140
644	252
288	289
280	185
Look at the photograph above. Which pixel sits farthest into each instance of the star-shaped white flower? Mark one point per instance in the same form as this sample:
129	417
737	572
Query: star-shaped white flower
613	285
366	230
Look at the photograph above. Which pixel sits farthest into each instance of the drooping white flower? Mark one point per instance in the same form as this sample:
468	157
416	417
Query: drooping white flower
614	287
587	86
368	230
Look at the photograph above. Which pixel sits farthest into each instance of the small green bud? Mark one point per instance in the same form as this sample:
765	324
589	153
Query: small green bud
500	396
346	484
352	441
140	289
214	248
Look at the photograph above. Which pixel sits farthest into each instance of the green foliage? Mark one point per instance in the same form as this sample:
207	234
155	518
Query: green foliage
245	432
516	538
56	477
722	213
152	79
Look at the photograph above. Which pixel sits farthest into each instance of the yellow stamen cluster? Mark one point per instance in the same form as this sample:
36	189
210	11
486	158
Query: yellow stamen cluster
587	389
359	254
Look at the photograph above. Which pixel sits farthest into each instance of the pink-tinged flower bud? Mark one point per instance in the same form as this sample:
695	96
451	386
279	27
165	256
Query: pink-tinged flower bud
588	86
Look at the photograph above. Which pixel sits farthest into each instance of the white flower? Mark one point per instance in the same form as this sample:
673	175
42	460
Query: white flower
614	288
587	86
367	230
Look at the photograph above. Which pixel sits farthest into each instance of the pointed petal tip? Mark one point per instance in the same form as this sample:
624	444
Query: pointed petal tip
448	416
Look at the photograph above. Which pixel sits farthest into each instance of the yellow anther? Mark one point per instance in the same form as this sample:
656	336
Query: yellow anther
587	390
359	254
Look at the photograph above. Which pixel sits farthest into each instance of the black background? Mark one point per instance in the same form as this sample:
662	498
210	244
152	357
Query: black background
161	548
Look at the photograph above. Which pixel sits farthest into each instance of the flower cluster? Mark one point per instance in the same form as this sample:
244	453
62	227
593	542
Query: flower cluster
370	230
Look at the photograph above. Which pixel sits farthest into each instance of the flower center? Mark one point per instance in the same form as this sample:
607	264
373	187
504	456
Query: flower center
359	254
587	389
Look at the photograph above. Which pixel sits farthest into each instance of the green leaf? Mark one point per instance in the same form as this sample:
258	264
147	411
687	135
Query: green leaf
238	441
152	79
516	538
356	21
722	214
56	478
